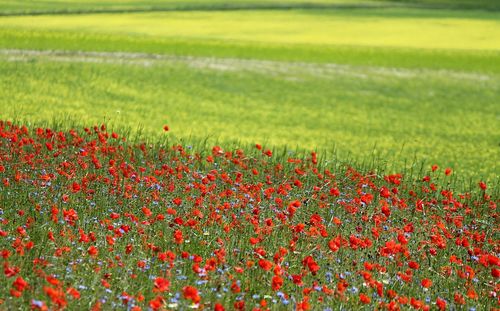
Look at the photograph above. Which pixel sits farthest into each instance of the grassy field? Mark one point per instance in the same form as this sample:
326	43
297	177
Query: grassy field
95	220
74	6
432	114
249	155
411	83
401	28
15	7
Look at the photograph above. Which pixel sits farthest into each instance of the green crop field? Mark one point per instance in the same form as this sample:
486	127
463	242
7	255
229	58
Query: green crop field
249	155
400	112
405	84
16	7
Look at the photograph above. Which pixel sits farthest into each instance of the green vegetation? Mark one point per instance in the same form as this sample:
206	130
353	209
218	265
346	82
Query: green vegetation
100	220
400	83
16	7
433	114
453	4
459	60
364	27
291	154
72	6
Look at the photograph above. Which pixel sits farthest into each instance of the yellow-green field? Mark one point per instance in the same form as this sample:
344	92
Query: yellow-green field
407	84
361	27
54	6
15	7
249	155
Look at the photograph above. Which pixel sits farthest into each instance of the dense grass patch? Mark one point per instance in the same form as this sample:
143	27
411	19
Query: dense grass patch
459	60
362	28
443	117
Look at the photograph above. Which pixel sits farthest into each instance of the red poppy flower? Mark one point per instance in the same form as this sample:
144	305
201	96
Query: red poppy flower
178	237
20	284
92	251
161	284
218	307
441	304
265	264
190	292
277	282
426	283
364	299
156	303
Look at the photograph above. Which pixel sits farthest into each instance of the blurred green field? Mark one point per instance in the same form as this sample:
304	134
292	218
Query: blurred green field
9	7
403	28
406	84
71	6
450	118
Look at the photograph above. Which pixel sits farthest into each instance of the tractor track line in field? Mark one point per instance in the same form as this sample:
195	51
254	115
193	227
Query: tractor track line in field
243	7
290	70
187	8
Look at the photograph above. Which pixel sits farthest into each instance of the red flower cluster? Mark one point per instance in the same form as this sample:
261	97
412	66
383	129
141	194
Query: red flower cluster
91	220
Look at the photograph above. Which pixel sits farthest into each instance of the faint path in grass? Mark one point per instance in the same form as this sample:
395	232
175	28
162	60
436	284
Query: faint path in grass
238	6
169	7
289	70
222	7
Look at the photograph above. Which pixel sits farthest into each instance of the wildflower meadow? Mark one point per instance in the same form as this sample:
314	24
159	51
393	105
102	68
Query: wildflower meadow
92	220
252	155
